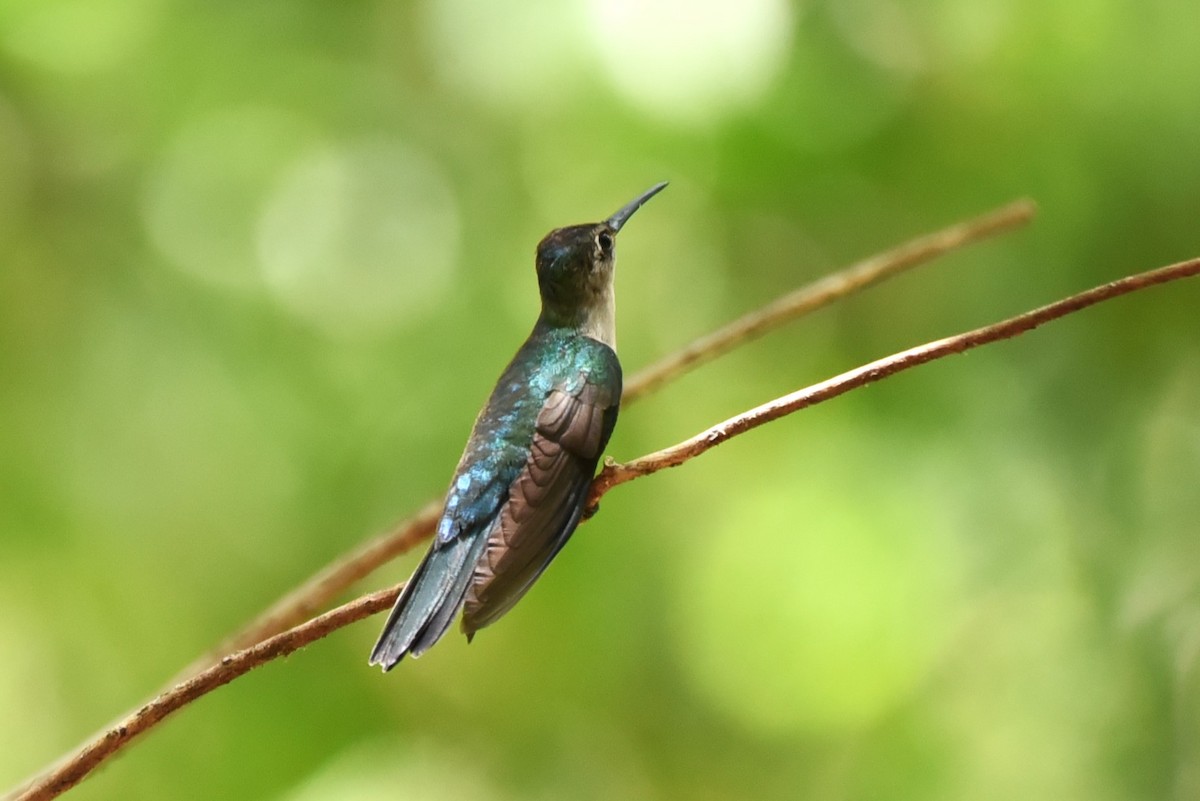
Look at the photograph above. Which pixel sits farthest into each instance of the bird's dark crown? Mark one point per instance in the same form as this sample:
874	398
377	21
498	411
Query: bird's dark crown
574	269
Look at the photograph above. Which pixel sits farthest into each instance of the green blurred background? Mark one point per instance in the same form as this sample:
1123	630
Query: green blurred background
261	261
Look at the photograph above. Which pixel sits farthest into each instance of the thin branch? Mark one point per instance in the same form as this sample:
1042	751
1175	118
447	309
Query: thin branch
825	291
615	474
92	754
88	758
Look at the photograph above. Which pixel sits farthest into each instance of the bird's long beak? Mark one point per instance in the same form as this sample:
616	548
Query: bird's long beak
619	219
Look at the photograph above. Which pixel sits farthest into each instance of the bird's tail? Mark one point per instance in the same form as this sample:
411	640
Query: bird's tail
429	601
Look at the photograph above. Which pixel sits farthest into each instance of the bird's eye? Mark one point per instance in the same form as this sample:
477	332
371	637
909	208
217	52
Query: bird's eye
604	240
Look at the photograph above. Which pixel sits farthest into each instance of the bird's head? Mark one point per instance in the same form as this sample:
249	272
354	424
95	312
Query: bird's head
575	265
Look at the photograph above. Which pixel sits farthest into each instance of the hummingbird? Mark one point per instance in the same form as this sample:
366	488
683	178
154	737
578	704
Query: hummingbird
522	483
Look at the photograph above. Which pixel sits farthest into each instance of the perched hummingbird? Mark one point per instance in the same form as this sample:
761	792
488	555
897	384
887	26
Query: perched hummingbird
522	482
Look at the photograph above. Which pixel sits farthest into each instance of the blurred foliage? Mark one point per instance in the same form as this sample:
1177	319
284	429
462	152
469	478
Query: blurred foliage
261	261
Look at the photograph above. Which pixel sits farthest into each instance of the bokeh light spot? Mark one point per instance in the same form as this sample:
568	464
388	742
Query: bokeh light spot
881	31
79	36
511	54
28	680
966	32
1164	568
372	771
815	608
691	60
358	238
203	199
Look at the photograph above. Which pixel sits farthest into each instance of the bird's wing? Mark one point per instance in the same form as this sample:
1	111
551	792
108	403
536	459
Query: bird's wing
546	499
431	598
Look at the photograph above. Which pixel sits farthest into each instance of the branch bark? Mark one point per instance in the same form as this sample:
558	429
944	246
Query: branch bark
92	754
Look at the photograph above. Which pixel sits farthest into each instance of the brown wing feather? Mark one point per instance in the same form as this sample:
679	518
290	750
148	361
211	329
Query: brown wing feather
545	501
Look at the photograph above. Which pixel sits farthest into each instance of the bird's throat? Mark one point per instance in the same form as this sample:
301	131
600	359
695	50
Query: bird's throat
600	319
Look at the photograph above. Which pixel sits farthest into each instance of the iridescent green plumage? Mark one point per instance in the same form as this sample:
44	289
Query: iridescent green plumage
522	482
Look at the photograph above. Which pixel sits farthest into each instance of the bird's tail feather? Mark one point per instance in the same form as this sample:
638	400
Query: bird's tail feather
427	605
